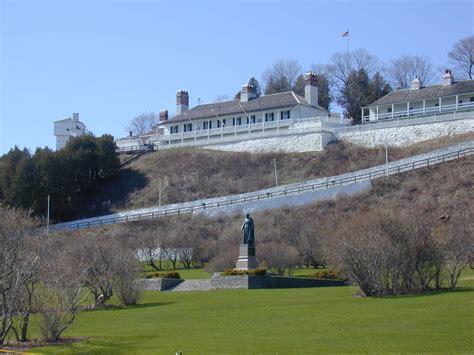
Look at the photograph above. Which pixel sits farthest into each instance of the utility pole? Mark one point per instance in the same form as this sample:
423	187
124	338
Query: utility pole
47	221
159	192
276	175
386	161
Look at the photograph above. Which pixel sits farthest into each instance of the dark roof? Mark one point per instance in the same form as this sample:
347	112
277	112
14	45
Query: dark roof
425	93
267	102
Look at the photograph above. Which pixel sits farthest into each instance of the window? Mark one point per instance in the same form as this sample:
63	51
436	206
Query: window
285	115
236	121
188	127
251	119
220	123
174	129
437	104
389	110
471	99
207	125
460	102
270	117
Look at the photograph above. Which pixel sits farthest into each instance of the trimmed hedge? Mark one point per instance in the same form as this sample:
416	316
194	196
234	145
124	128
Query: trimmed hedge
252	272
164	275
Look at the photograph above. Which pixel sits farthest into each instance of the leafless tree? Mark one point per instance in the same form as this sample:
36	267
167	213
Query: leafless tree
143	123
401	71
123	275
101	255
60	299
462	57
342	64
150	247
459	245
279	257
281	76
221	98
16	270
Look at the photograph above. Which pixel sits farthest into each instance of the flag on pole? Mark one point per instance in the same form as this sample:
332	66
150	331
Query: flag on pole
345	34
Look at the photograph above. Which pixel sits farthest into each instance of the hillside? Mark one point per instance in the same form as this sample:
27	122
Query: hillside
189	174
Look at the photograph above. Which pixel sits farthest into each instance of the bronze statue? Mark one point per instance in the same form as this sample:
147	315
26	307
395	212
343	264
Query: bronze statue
249	231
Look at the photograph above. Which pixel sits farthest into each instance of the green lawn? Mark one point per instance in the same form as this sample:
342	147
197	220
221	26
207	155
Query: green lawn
285	321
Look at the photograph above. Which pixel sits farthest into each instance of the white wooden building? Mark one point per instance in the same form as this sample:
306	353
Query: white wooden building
418	100
66	128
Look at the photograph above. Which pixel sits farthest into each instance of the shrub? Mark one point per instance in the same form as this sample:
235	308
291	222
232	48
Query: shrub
164	275
327	274
251	272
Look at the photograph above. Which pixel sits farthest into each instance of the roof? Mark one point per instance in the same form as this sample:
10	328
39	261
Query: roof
69	119
425	93
267	102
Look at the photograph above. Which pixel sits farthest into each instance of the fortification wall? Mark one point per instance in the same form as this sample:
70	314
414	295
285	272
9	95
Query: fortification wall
293	143
406	135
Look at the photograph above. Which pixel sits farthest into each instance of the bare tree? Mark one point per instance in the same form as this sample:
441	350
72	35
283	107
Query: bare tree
279	257
16	270
123	275
281	76
61	297
221	98
458	246
342	64
462	57
143	123
401	71
150	247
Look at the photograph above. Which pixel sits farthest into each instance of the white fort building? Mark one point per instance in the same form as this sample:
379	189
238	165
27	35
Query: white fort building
66	128
291	123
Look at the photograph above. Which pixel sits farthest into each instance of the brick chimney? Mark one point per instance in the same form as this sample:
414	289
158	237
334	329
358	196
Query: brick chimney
182	101
247	93
311	89
447	78
415	84
163	115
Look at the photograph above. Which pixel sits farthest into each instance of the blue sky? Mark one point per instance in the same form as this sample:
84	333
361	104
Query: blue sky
113	60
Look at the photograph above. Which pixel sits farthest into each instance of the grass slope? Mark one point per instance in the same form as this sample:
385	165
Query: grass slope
190	174
281	321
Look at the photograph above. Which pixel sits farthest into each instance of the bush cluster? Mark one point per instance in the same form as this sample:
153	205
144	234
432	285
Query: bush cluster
328	274
164	275
252	272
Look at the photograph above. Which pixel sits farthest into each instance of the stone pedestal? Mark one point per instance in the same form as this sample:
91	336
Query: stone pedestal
247	258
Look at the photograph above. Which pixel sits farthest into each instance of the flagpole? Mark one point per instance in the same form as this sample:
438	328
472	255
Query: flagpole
348	36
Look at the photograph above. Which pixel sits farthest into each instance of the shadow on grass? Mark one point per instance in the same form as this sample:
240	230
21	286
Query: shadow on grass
112	193
428	293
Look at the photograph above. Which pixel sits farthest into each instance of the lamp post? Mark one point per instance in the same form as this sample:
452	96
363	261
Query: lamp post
276	175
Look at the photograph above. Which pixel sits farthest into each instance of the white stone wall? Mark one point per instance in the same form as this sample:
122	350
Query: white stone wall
309	142
406	135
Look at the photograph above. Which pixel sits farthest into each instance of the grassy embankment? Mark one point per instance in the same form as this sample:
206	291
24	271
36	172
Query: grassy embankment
281	321
190	174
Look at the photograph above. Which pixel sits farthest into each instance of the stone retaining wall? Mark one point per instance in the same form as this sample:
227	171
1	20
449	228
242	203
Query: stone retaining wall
256	282
156	284
406	135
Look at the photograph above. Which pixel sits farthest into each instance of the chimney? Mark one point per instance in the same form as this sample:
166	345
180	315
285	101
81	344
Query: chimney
311	89
75	117
248	93
182	101
163	115
447	78
415	84
130	134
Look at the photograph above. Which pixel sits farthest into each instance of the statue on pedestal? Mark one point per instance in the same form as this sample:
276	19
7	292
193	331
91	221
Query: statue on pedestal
247	258
249	230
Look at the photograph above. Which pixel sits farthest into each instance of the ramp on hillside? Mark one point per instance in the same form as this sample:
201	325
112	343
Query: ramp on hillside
286	195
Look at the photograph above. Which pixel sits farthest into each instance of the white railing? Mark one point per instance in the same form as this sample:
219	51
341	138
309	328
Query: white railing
420	112
237	132
406	121
396	167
